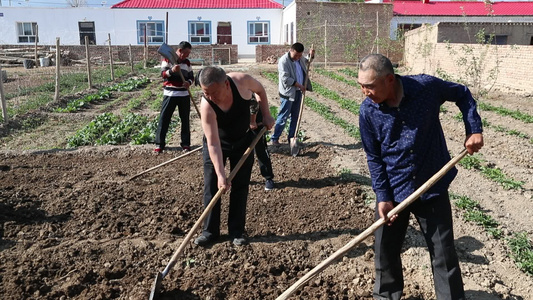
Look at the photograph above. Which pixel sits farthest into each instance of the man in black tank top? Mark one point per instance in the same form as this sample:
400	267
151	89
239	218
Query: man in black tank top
225	110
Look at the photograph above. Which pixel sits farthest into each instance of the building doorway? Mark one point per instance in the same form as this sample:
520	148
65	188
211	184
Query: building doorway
224	33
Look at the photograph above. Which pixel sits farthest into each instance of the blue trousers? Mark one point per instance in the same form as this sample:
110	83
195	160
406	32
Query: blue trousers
287	109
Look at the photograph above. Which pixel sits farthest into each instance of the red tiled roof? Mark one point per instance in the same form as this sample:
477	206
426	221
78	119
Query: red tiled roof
197	4
459	8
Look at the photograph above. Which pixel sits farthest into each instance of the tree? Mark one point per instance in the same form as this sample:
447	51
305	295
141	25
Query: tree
77	3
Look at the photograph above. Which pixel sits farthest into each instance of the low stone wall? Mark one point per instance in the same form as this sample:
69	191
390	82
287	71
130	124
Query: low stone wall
225	54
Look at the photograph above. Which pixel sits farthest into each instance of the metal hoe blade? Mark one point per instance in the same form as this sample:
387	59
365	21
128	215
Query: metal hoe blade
167	52
295	146
156	286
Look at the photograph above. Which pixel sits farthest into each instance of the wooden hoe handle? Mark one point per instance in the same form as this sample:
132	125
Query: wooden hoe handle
370	230
190	95
208	209
303	96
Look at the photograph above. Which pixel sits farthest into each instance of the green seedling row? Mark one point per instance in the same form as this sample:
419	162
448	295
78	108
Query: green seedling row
515	114
498	128
137	102
350	72
110	129
519	244
522	252
89	134
121	132
473	213
336	76
494	174
327	114
146	134
347	104
103	94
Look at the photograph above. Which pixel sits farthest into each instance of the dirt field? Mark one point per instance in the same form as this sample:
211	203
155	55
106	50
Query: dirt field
75	227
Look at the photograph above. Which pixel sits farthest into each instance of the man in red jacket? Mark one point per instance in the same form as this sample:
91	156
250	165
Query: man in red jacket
175	93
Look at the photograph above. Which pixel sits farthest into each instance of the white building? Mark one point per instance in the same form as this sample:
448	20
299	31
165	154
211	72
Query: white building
246	23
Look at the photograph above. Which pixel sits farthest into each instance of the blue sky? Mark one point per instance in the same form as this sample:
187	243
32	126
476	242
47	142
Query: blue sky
63	3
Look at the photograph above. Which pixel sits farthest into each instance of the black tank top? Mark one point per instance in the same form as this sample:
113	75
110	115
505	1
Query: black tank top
233	125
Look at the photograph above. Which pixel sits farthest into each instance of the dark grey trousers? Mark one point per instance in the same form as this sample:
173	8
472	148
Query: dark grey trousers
238	193
435	218
167	110
263	156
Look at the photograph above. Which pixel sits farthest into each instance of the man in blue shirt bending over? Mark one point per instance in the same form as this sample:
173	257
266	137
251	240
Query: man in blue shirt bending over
405	145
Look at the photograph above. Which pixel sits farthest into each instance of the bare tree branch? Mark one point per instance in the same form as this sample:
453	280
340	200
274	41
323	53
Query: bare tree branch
77	3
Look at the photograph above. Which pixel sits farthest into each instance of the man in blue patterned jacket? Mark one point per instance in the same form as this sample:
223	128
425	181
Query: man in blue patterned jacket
405	145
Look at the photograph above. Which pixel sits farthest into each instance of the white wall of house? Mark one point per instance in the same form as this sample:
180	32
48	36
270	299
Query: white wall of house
289	24
121	24
398	20
55	22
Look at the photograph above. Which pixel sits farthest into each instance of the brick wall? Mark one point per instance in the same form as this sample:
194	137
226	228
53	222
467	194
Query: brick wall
346	31
348	35
503	67
263	52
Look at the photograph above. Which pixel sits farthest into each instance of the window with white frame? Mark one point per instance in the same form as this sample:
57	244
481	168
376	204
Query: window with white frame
200	32
155	34
258	32
27	32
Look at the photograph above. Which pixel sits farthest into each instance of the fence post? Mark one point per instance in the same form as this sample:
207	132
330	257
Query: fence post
36	39
111	57
88	62
325	44
131	60
166	28
145	49
58	63
2	96
377	31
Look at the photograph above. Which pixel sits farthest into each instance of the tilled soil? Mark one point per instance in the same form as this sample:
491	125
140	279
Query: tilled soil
74	226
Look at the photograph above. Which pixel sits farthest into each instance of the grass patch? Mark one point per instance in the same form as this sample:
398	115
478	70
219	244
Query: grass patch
31	103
